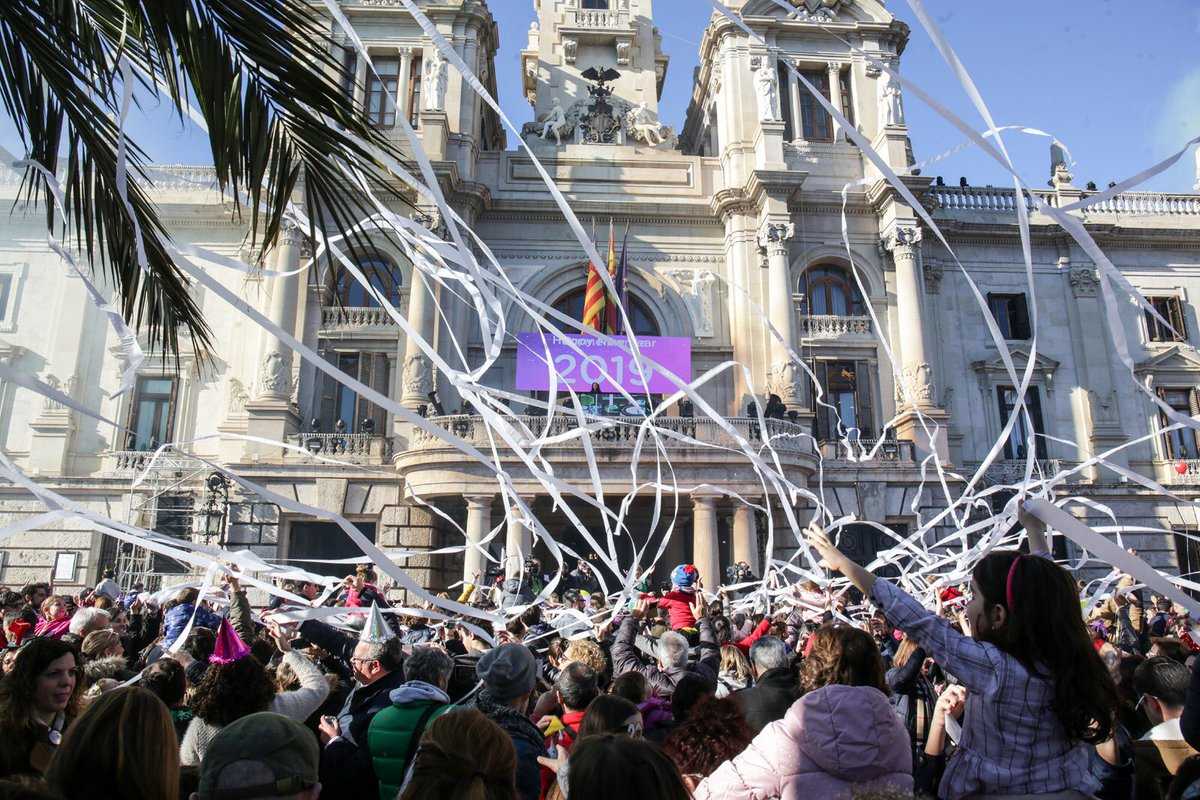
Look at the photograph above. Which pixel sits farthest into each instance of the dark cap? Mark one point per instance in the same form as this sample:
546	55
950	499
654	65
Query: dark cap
284	747
508	671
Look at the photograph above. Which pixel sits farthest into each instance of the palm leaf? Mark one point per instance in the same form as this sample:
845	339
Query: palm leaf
263	75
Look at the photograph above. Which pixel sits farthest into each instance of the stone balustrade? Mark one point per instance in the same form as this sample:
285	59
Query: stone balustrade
895	451
598	19
1012	471
623	432
834	327
1136	204
356	448
343	318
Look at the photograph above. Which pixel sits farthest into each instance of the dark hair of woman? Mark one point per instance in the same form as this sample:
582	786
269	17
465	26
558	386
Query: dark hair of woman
843	655
463	755
200	643
122	747
714	733
229	692
1046	633
18	688
609	766
167	680
633	686
608	713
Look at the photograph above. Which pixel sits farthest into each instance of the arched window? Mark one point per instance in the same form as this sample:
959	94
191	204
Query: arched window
383	275
642	320
830	291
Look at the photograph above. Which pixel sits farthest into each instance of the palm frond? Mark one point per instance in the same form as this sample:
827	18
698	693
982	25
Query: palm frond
263	75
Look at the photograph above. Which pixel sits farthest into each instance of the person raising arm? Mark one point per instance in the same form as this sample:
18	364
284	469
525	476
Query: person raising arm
1038	693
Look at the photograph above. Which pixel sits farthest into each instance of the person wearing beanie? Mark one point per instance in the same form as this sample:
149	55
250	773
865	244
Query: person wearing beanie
685	579
259	756
509	674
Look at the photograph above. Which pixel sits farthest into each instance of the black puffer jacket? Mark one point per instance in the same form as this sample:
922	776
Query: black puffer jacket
769	698
626	658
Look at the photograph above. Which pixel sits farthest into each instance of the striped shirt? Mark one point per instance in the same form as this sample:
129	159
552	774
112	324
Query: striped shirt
1012	742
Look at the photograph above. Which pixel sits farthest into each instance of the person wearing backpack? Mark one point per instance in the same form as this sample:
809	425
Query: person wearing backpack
396	731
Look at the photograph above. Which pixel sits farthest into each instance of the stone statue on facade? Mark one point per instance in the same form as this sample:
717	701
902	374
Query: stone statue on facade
277	374
417	378
891	106
435	80
766	87
555	124
644	128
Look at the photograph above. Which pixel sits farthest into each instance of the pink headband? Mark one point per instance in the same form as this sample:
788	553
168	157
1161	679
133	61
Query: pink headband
1008	586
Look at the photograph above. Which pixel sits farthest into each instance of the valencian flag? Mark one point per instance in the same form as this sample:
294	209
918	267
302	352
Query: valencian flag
593	300
617	270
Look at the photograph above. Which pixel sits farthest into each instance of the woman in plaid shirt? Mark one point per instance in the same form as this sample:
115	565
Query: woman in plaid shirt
1038	694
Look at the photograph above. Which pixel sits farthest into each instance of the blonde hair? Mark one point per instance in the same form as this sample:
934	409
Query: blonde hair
904	652
734	662
588	652
98	643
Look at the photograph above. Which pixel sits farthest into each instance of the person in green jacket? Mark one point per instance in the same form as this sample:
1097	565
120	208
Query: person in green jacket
395	732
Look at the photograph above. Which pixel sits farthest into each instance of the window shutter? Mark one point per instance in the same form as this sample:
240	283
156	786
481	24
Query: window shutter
824	414
1178	322
1020	325
1005	410
1033	402
862	399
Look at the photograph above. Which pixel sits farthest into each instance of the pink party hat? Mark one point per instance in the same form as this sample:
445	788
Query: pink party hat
229	647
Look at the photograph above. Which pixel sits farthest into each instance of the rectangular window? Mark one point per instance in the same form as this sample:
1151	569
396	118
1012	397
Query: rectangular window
818	126
6	286
848	395
1187	554
1011	314
381	92
847	97
173	516
341	404
153	415
599	5
414	92
785	101
1171	309
1179	444
1016	448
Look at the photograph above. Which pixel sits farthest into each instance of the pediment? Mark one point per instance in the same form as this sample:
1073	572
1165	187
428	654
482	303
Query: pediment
1174	359
1020	357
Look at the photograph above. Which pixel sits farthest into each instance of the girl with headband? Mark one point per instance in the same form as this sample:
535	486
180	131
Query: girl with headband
1038	693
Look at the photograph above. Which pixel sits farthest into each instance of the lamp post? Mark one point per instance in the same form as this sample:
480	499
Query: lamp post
216	507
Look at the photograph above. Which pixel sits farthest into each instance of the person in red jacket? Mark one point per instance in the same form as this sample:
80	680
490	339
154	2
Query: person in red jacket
685	579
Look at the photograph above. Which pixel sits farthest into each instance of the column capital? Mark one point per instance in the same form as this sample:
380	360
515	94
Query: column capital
774	237
705	499
902	240
477	502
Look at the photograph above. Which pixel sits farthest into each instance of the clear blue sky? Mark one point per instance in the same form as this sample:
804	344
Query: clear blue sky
1117	80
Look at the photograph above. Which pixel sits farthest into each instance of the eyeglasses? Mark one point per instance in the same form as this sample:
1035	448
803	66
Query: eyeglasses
357	660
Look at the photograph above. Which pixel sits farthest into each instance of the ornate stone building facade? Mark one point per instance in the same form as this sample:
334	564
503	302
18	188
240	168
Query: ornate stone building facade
735	243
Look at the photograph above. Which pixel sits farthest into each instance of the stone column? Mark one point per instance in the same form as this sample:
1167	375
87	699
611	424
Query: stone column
706	553
275	369
518	541
745	537
782	372
904	242
360	85
403	86
479	522
417	376
916	391
835	96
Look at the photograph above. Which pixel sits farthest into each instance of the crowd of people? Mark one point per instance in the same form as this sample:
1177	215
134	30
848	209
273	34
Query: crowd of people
1008	686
